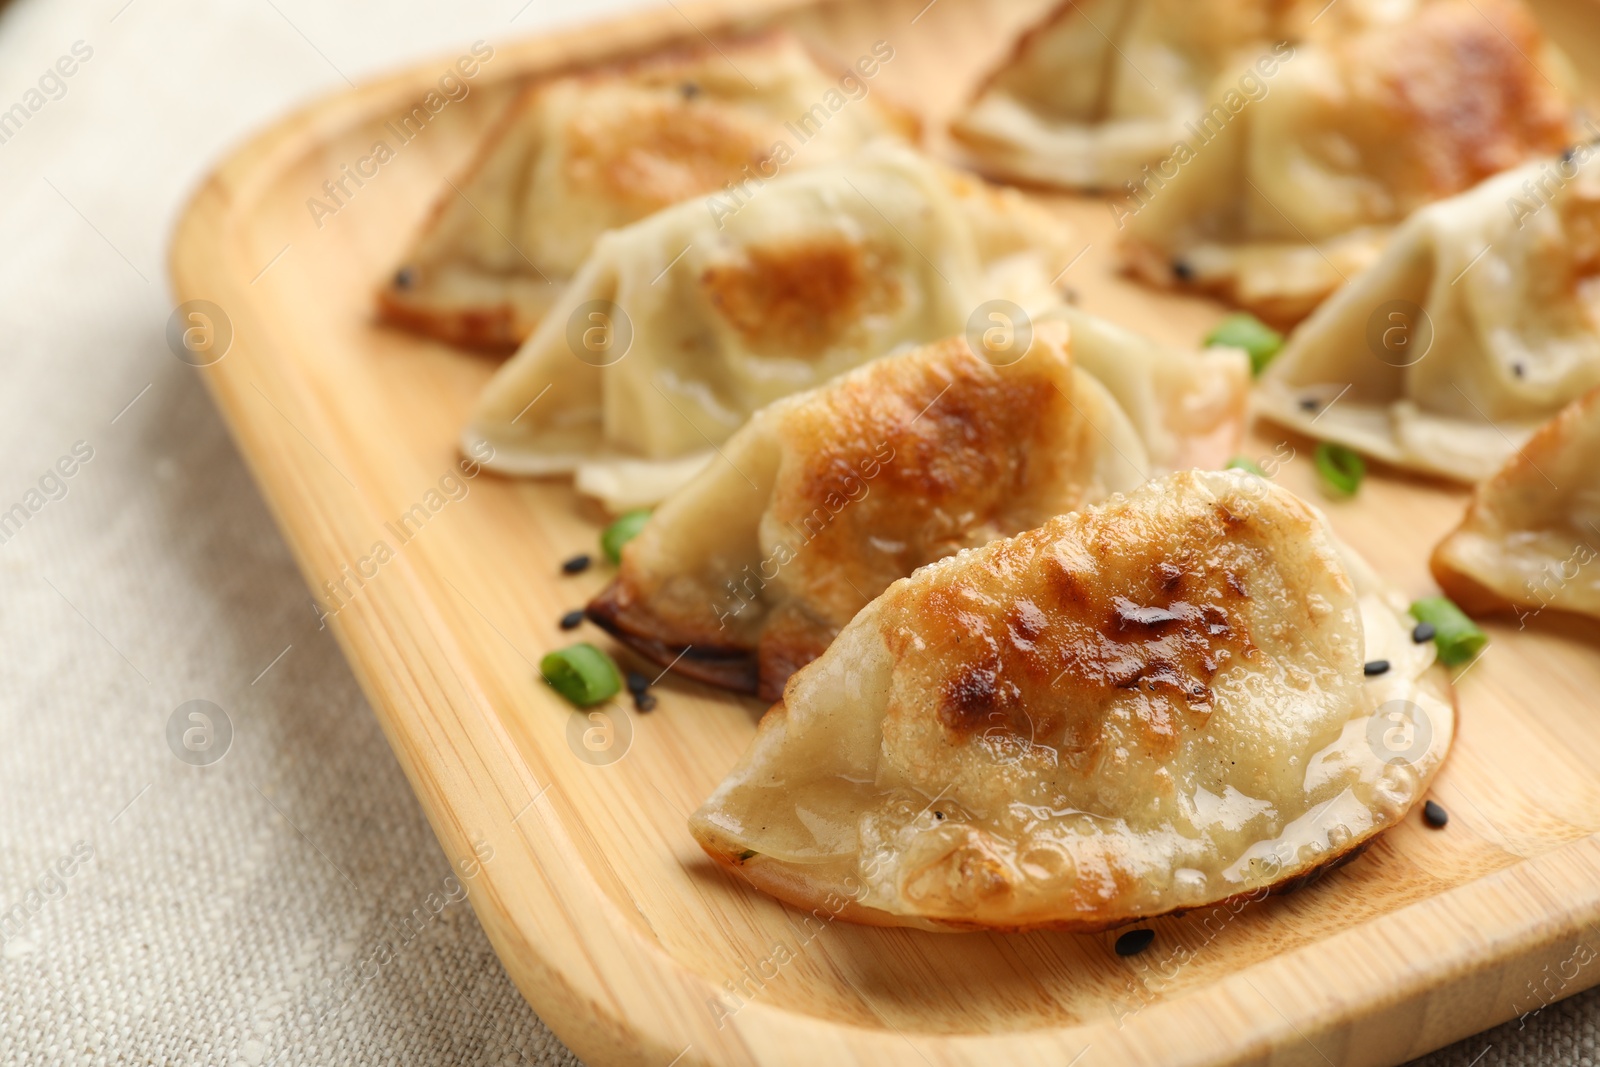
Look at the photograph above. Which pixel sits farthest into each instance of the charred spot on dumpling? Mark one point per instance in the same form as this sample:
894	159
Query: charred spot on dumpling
803	296
651	153
970	698
1097	634
888	479
1236	585
952	454
1018	787
672	638
1027	624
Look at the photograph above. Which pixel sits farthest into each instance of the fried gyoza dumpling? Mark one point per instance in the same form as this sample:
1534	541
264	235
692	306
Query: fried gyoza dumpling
748	572
1532	532
1480	322
1153	704
1294	183
581	154
1100	88
681	326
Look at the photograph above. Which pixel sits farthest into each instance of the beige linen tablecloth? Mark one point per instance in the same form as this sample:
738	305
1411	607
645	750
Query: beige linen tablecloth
154	911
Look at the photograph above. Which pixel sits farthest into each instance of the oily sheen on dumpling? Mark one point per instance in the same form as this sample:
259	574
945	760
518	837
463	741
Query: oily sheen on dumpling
1479	324
1531	535
1152	704
1291	185
747	573
575	156
702	316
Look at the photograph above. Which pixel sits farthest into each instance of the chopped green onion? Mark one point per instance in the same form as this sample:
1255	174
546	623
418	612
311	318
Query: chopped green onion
1243	463
1246	331
619	533
581	673
1457	637
1340	468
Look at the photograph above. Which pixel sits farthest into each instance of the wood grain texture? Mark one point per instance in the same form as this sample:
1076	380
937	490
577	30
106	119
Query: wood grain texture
621	934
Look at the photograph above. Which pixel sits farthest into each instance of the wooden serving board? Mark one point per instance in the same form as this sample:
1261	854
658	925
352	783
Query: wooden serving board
621	934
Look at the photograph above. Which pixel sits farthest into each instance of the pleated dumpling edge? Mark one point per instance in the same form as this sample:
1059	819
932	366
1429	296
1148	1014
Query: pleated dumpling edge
681	326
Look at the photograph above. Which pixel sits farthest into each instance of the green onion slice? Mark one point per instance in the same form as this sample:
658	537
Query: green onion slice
1245	331
582	673
1244	463
619	533
1340	468
1458	638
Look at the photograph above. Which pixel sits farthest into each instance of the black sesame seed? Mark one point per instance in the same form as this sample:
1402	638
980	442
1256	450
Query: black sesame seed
1310	403
1566	157
1434	815
939	815
689	90
403	278
1376	667
572	619
637	683
644	702
1182	271
1134	942
575	565
1519	370
1424	633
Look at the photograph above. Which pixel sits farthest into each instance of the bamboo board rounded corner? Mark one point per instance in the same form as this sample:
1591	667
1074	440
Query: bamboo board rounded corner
621	934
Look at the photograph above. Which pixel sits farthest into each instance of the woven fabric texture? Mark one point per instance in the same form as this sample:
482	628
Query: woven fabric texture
251	911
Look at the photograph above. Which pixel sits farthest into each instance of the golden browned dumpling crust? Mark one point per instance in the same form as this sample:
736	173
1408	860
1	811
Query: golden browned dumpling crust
1530	540
859	482
718	307
1379	110
583	153
1153	704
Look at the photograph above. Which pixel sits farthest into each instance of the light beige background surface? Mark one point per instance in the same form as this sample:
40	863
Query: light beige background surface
252	911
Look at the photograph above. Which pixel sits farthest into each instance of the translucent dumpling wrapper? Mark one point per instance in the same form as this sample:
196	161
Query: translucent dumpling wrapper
1530	540
1100	88
1152	704
575	156
825	498
1292	184
1480	323
1189	407
681	326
